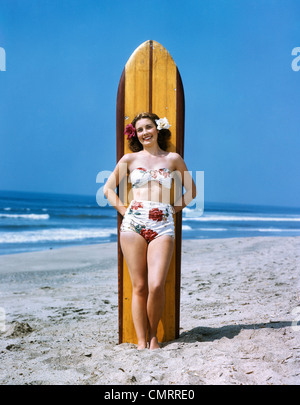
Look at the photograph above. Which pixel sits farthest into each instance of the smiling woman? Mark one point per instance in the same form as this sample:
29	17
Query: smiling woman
164	134
147	232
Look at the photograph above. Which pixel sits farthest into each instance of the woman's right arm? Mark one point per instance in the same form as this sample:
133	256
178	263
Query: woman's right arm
113	181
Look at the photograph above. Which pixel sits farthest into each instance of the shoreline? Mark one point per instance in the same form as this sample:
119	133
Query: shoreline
75	246
238	303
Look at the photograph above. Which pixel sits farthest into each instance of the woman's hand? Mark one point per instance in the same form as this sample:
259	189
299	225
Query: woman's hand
185	179
119	173
122	210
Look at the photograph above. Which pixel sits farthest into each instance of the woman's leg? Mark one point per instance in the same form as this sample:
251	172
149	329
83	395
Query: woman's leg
159	256
134	248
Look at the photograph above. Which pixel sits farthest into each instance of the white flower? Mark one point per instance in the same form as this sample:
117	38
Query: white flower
162	123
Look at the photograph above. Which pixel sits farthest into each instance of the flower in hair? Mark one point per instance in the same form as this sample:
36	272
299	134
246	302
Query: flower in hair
162	123
129	131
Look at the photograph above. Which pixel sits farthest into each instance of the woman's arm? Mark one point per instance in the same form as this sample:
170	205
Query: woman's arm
186	180
113	181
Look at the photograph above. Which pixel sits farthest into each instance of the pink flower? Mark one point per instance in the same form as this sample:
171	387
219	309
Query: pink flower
164	173
129	131
136	205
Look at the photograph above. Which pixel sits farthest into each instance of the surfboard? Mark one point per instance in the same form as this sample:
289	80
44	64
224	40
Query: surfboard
150	82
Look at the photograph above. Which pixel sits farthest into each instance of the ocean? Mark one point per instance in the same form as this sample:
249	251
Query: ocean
39	221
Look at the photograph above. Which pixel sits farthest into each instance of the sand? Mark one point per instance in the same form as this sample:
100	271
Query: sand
240	305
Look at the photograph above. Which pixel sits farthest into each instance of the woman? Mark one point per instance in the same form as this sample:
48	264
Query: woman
147	230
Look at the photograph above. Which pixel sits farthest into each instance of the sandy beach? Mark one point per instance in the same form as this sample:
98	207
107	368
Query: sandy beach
239	308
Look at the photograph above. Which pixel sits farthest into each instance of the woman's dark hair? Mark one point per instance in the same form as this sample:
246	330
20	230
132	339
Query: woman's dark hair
163	134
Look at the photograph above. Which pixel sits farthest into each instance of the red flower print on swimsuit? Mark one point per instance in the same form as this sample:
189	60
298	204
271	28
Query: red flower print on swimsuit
164	173
156	215
136	205
148	234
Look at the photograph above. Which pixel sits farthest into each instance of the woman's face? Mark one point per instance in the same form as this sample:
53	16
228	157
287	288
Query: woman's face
146	131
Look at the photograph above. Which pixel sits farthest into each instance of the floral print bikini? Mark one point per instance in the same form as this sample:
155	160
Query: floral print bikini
150	219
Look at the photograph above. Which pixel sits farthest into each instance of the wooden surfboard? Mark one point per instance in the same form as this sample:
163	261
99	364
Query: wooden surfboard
151	82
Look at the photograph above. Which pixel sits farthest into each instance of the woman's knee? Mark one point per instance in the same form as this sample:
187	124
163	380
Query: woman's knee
156	289
140	288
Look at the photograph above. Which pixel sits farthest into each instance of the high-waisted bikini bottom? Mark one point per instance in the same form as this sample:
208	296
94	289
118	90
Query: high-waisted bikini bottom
150	219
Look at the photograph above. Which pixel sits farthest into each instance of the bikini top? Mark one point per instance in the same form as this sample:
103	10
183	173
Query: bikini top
140	176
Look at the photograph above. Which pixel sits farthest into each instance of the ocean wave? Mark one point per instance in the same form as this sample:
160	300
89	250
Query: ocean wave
83	216
273	230
187	228
217	218
26	216
239	229
56	235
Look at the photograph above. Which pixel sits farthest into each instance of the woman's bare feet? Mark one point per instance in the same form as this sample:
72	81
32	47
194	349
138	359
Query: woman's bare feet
142	345
153	343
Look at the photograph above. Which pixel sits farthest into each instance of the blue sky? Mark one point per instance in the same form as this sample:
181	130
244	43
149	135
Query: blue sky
63	63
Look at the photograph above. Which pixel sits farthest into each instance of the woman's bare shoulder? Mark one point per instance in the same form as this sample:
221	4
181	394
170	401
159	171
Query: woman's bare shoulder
175	159
174	156
127	158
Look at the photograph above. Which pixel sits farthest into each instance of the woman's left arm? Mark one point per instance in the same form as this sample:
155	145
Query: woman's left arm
185	180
